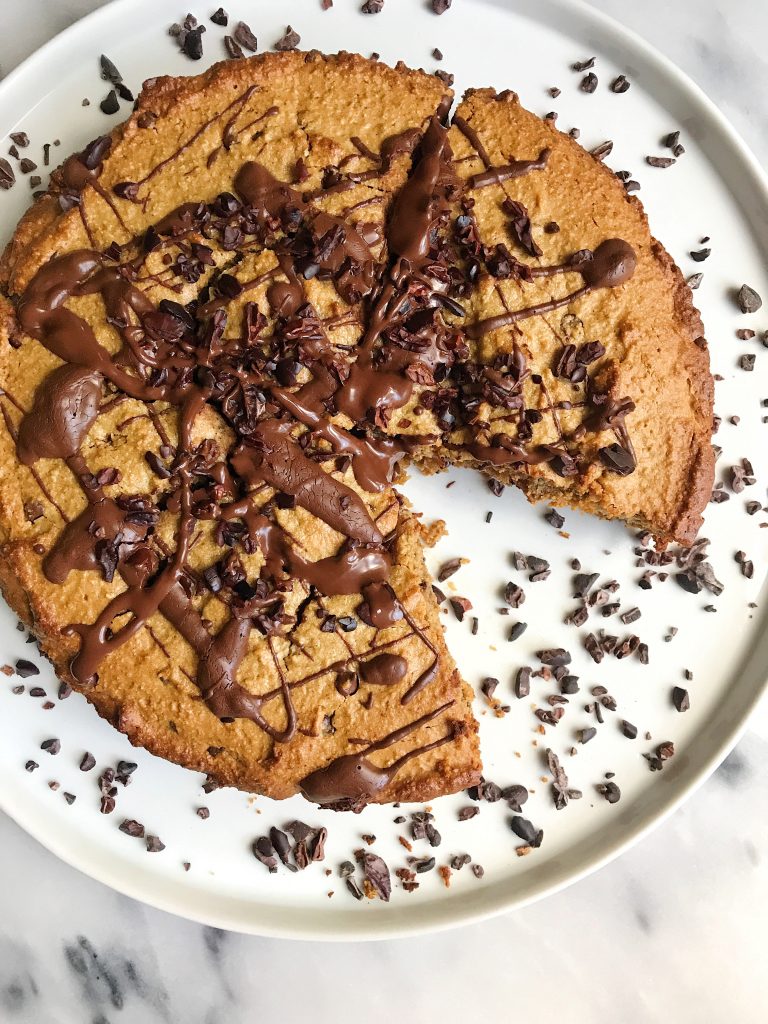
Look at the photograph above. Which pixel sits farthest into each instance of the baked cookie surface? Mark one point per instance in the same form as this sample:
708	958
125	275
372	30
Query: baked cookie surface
226	329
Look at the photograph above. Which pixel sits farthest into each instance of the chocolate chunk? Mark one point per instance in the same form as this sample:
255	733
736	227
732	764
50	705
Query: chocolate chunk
748	299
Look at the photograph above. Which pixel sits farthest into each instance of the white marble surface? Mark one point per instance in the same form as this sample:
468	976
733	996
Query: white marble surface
675	930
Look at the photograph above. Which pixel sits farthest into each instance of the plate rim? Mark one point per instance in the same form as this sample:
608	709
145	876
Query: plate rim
449	914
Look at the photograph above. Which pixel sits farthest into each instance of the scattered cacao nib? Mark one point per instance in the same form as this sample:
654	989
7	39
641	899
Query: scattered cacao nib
629	730
154	844
526	831
514	595
496	487
87	762
220	17
441	6
437	54
26	165
234	50
460	606
554	519
132	828
447	569
465	813
20	139
517	631
30	766
289	40
588	83
748	299
245	37
681	699
694	281
377	874
583	65
264	852
554	656
445	77
699	255
610	791
523	683
660	161
372	6
52	746
603	150
7	177
326	5
25	669
620	84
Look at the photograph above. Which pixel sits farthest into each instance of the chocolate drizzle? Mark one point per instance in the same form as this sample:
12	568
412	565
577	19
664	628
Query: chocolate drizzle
284	389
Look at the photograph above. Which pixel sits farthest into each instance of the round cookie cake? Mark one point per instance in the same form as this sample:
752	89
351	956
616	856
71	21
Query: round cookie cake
225	331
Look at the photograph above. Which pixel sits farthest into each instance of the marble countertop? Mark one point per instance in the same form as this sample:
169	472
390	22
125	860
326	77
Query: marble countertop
676	929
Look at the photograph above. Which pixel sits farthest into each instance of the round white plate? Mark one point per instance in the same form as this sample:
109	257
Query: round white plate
717	190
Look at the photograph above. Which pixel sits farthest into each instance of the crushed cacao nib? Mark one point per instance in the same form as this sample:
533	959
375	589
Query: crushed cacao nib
523	683
660	161
447	569
460	606
51	746
620	84
30	766
25	669
554	519
681	699
132	828
245	37
234	50
7	176
517	631
610	791
603	150
372	6
514	595
289	40
526	831
110	104
220	17
628	730
748	299
87	762
154	844
584	65
465	813
747	362
589	83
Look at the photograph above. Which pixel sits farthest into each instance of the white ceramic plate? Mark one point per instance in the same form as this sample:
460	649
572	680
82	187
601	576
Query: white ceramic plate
716	189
